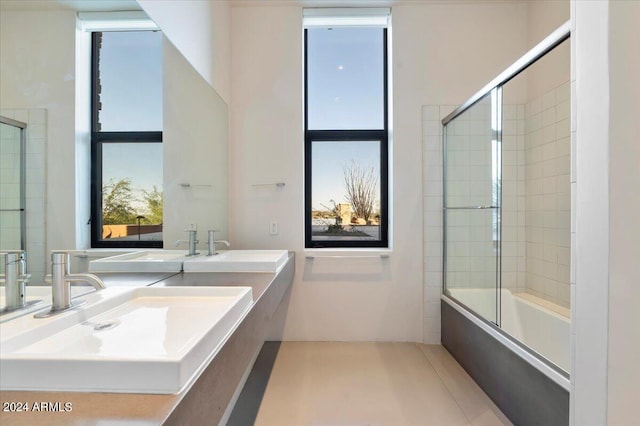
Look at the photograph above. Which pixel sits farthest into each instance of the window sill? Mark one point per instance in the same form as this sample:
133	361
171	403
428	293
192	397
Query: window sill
312	253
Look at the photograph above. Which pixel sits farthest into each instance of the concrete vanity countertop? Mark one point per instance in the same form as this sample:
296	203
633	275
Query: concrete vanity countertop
204	402
138	279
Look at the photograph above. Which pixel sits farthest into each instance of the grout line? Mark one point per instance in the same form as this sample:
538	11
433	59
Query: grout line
488	402
443	382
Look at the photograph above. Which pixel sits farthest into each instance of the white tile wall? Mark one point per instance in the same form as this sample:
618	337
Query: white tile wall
36	147
432	176
547	149
471	256
10	188
536	202
513	198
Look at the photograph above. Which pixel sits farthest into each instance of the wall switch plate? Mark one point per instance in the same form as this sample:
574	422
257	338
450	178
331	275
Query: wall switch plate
273	228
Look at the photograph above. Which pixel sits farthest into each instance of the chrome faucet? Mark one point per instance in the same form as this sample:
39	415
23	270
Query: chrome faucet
192	242
211	241
16	278
61	281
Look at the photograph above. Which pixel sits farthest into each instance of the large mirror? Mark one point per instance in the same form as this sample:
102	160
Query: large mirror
44	83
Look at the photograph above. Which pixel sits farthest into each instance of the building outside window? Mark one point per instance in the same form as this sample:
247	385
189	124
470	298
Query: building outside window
126	139
346	128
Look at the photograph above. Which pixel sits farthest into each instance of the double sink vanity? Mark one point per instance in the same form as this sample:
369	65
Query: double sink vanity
169	340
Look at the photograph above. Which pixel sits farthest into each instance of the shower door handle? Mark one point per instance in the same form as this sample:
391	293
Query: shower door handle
471	208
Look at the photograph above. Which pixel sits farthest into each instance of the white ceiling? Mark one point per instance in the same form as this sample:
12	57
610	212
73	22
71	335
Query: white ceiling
77	5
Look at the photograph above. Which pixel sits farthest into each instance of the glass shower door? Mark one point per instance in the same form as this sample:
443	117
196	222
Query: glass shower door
472	208
12	197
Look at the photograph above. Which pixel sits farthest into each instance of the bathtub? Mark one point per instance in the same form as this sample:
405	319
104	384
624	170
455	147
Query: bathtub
523	365
541	325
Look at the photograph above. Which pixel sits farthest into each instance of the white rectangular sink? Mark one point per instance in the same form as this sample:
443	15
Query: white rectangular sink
141	261
134	340
238	261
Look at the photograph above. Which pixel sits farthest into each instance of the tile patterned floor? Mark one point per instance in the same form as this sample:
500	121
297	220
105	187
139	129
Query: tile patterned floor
339	383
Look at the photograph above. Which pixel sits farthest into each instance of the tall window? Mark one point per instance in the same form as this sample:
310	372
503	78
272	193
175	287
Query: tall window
346	134
126	139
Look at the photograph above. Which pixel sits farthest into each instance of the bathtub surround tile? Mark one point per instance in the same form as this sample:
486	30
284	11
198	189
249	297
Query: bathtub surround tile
435	336
37	116
434	311
431	113
564	294
563	128
549	116
549	134
535	197
513	188
35	191
549	99
535	106
433	263
21	115
547	184
431	128
432	294
563	110
38	131
432	201
510	126
432	328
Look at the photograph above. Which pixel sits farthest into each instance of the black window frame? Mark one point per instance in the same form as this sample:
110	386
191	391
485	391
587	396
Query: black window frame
98	138
350	135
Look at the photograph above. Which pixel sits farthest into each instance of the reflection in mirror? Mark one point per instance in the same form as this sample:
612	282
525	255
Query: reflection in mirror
130	77
126	139
22	182
12	212
195	144
40	89
12	162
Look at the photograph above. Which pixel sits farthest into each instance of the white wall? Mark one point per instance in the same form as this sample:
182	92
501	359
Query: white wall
606	101
195	140
200	30
543	17
624	180
37	71
196	94
590	184
442	53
